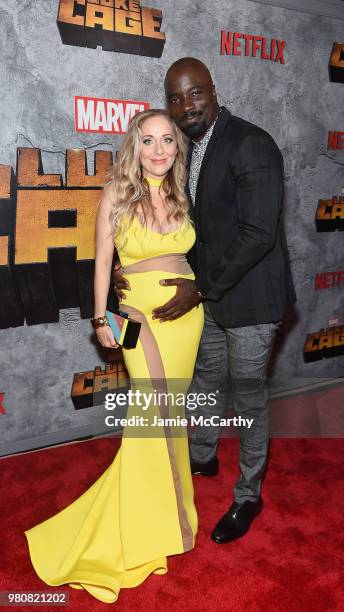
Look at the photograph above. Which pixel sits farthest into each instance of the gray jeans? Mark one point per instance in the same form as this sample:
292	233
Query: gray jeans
243	353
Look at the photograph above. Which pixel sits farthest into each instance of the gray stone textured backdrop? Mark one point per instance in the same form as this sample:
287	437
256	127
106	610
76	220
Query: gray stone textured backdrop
295	102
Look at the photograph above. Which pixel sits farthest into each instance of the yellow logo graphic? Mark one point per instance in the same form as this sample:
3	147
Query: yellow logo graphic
336	65
325	343
330	215
89	388
115	25
47	236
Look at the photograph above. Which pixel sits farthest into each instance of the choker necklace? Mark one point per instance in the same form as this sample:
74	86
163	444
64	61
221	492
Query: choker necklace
154	182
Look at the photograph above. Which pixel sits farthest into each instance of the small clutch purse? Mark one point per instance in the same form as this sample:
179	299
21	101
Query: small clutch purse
125	330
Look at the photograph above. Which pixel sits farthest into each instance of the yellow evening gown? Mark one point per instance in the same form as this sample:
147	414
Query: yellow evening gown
141	509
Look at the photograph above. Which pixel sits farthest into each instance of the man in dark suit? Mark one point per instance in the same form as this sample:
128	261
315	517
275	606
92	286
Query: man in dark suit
242	273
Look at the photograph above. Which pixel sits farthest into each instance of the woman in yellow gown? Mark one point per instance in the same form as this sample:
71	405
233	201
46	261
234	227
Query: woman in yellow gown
141	509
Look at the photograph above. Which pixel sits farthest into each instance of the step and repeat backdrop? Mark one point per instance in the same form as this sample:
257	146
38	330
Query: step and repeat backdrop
72	75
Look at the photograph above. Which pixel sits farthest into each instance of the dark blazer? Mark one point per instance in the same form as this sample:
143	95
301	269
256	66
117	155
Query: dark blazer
240	256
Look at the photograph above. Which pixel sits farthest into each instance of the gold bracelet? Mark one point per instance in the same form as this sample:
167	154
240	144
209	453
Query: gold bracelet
100	322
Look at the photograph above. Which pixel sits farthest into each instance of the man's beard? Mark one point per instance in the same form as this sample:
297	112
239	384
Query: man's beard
195	130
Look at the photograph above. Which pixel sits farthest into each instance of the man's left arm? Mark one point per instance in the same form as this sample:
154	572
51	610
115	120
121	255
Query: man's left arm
258	173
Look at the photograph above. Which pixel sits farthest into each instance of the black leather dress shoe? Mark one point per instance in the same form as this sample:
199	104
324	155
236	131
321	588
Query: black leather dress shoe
237	521
210	468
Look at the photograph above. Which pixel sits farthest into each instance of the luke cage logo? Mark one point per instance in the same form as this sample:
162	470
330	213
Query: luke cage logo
90	388
325	343
115	25
330	215
47	244
336	65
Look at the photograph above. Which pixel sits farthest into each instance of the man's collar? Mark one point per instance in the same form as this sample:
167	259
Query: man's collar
222	119
223	116
206	135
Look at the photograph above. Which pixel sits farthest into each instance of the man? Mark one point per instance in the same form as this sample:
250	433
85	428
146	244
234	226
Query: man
242	275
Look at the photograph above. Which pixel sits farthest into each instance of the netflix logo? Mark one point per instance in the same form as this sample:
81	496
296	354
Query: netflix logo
2	407
329	280
236	43
335	141
105	116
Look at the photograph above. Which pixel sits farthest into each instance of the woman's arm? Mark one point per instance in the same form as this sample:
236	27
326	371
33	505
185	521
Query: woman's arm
103	264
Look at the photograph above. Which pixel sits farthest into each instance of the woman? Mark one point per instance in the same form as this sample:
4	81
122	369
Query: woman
141	509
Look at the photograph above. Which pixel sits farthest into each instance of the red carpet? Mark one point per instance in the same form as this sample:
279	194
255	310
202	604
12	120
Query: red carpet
292	559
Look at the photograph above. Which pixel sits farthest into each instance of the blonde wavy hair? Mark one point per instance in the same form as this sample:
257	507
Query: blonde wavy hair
128	188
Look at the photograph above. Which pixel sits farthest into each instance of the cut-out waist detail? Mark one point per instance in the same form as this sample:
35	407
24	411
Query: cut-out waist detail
171	262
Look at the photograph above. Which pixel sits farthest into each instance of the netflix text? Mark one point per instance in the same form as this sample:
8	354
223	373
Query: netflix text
335	141
329	280
236	43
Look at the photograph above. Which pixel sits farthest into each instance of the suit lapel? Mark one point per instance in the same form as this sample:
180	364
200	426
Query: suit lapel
220	124
207	155
188	163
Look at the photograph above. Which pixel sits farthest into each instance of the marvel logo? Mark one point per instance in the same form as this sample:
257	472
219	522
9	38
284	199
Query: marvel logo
104	115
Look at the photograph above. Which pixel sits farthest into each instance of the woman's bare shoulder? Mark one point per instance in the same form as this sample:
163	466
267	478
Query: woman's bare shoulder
107	199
